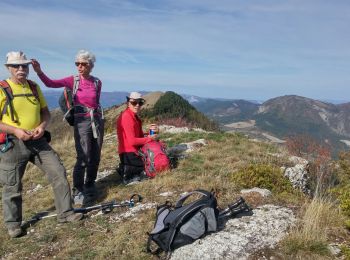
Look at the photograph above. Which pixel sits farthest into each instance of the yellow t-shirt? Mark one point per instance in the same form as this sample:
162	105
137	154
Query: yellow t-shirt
26	109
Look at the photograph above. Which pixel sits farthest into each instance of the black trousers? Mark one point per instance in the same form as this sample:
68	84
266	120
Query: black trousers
88	151
130	165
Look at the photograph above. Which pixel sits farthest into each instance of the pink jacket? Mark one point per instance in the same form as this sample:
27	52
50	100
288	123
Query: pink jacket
86	94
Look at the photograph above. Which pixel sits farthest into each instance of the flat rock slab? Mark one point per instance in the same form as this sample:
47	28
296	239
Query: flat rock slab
241	236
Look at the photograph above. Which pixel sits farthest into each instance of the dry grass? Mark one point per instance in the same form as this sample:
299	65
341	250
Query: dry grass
209	168
321	219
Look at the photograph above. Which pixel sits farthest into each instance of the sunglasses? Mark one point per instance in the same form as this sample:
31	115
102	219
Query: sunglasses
16	66
141	102
84	64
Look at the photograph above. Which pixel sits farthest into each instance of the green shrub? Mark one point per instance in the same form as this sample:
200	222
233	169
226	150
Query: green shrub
262	176
345	251
344	199
342	187
347	224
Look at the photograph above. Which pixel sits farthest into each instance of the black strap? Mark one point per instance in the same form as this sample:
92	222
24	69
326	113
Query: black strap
8	93
148	247
33	87
180	202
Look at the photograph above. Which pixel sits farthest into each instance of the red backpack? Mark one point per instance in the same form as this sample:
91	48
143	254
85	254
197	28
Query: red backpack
155	158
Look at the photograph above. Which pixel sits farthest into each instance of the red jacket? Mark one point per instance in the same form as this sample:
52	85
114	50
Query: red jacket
129	131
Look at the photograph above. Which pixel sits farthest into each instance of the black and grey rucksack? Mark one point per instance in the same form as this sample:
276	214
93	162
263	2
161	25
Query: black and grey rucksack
181	224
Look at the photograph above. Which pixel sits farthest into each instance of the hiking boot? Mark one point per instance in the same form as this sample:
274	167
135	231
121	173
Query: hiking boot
143	176
120	170
131	181
78	199
74	217
15	231
88	198
90	189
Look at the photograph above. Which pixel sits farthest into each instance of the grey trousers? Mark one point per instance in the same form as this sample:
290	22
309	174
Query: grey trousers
12	167
88	151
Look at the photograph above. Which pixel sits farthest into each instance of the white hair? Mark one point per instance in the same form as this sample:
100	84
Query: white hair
85	55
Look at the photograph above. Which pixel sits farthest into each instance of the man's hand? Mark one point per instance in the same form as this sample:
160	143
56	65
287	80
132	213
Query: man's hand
22	134
38	132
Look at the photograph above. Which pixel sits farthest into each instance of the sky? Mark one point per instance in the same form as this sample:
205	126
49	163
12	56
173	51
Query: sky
253	50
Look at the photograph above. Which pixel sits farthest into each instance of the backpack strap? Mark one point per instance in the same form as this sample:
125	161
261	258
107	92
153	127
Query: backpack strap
75	86
33	87
180	202
5	86
98	93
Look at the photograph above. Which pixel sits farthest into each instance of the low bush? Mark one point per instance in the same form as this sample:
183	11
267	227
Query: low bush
262	176
342	189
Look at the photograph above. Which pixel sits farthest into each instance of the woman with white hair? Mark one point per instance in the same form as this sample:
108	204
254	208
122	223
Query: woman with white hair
88	123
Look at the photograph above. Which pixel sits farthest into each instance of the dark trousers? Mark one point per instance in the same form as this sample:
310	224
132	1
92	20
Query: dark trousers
130	165
88	151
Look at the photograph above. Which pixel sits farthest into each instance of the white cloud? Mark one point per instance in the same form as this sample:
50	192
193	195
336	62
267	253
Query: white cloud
190	44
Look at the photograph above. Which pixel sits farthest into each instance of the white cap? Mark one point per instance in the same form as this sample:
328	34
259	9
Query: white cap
134	95
16	58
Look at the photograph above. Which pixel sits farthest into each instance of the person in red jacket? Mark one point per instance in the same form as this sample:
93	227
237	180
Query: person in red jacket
131	138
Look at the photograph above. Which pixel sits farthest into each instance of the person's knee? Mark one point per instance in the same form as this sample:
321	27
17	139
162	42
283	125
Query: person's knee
60	181
93	161
81	162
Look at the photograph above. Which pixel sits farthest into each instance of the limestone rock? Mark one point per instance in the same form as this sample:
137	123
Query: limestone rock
262	192
241	236
299	177
186	147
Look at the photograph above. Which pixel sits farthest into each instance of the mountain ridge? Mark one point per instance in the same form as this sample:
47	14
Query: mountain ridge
281	116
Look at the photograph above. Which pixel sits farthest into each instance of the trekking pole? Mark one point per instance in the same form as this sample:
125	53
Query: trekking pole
109	206
235	208
105	207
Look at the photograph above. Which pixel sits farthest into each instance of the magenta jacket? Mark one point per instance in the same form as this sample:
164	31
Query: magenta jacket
86	94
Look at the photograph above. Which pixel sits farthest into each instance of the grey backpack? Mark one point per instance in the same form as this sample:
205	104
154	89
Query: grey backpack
183	224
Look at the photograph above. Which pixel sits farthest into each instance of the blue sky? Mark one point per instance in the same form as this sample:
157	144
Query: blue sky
210	48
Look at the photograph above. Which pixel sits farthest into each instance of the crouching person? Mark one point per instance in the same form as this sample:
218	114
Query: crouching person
23	119
131	138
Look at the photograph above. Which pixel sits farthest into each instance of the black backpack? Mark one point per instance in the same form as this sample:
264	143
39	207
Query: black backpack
66	100
181	224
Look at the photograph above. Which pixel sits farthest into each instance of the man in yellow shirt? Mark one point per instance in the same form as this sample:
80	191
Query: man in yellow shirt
23	119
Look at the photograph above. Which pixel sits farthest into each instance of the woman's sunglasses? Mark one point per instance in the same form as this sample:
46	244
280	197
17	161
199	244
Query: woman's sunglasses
141	102
84	64
16	66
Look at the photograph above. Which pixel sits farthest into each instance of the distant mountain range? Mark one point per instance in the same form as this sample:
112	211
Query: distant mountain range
281	116
108	99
